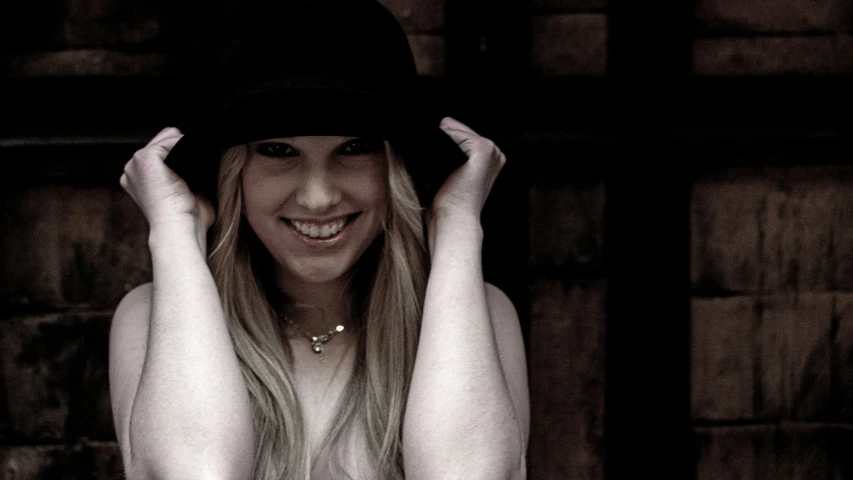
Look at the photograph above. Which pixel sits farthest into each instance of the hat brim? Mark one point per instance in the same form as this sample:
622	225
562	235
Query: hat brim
430	155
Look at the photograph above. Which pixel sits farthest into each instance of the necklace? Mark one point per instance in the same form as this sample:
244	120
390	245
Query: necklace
317	341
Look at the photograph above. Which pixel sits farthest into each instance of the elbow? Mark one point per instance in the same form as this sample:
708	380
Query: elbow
210	450
169	460
172	469
508	464
504	461
504	457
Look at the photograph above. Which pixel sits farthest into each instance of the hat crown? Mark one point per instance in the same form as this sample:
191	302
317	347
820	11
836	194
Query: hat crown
350	44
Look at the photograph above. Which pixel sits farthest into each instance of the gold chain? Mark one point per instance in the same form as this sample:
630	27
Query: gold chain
317	341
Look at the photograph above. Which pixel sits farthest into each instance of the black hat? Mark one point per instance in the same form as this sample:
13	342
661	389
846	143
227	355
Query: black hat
315	67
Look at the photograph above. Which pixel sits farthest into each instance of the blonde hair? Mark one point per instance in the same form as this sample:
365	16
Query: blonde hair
390	308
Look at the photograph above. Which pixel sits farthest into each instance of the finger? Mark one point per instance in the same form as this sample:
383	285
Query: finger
125	184
451	122
473	145
165	133
466	132
163	149
463	140
159	150
167	142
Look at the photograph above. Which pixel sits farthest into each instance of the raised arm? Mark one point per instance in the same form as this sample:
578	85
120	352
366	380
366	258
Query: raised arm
468	410
180	405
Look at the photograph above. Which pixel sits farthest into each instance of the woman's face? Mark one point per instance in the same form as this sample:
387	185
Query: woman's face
316	203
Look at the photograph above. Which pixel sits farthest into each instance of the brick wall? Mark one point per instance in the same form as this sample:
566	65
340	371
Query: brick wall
567	318
772	258
135	38
569	38
91	37
425	25
771	269
773	37
71	252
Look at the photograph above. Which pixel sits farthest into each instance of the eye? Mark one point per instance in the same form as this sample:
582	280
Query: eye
275	149
362	146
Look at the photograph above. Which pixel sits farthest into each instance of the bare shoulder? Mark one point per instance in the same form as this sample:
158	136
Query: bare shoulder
131	317
138	297
128	344
500	305
511	351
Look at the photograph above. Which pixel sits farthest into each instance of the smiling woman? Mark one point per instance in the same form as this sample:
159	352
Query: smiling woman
318	308
297	190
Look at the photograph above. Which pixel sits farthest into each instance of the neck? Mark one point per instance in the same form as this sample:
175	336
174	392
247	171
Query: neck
317	307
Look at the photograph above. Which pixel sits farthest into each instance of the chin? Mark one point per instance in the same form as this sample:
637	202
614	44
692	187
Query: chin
299	264
316	271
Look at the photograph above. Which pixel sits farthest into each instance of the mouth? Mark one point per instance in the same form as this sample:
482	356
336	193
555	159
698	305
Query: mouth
320	231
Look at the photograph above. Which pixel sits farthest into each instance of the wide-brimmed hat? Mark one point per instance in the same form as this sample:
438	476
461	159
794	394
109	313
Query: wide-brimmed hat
314	67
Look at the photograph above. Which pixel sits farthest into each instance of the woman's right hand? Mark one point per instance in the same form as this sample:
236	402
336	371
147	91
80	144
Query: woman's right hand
163	196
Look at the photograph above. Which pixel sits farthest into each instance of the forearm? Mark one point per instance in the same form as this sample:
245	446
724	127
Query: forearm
460	421
191	411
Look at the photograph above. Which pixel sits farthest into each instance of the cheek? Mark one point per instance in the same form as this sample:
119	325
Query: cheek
372	188
260	194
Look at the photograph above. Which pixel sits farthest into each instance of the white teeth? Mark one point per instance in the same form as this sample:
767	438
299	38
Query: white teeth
319	231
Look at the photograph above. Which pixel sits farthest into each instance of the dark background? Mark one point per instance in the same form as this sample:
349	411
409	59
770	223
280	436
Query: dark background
673	225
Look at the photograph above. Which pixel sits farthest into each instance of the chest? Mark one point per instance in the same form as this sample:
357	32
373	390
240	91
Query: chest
319	397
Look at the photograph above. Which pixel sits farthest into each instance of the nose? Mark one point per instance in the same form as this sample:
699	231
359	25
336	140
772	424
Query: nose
318	191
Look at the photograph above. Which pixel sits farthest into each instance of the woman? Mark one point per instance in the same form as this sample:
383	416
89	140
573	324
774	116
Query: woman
313	331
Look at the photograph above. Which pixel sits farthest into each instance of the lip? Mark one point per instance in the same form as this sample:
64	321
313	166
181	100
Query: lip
320	220
321	242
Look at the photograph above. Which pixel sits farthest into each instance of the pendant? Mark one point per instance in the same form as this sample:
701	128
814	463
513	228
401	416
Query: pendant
317	348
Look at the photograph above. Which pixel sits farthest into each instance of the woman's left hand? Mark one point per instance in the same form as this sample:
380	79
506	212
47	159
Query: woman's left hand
466	189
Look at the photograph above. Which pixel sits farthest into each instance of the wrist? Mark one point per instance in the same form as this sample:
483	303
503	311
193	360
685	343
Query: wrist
457	219
460	233
174	234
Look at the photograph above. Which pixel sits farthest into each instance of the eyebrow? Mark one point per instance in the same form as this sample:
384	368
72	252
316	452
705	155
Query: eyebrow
290	141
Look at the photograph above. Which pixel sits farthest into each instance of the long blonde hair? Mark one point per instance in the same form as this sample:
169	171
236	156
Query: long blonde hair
391	282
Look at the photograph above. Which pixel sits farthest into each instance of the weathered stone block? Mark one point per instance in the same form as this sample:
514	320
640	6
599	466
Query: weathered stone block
774	56
770	357
791	450
569	45
429	53
841	355
70	246
773	229
569	4
567	224
417	16
722	346
567	365
793	347
775	15
55	25
78	63
55	375
92	460
726	219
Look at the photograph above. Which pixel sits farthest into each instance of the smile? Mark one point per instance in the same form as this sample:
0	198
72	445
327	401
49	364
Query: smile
324	230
